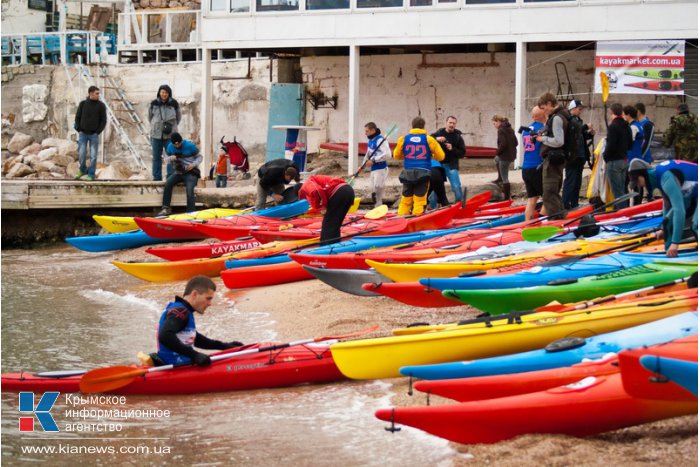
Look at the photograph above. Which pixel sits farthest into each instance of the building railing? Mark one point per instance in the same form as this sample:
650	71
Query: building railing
57	47
154	28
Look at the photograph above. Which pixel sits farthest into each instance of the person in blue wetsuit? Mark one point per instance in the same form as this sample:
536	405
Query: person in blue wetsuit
678	183
177	331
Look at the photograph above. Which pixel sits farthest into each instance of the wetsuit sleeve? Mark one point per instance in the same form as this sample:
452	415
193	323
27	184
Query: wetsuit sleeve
174	322
676	215
436	149
398	150
203	342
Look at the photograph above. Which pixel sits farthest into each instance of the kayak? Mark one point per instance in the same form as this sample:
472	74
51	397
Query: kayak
629	336
657	74
301	364
432	220
541	275
593	405
348	280
382	357
111	242
657	85
120	224
206	250
572	290
411	293
646	371
240	226
493	386
261	275
410	272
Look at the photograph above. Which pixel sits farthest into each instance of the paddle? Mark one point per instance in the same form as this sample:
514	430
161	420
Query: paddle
560	307
115	377
605	91
575	258
536	234
390	131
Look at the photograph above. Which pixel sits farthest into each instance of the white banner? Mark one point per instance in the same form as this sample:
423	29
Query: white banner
641	67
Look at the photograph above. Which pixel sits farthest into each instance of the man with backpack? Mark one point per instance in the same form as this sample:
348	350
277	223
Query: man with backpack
576	156
553	153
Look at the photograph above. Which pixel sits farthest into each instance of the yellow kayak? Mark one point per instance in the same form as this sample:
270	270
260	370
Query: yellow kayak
121	224
412	272
382	357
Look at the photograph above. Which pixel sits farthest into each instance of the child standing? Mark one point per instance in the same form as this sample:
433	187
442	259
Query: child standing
223	165
377	155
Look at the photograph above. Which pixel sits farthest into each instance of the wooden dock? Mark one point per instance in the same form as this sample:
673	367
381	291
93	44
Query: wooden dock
69	194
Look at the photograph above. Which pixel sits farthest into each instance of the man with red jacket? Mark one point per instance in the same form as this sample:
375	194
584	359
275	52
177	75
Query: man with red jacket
335	196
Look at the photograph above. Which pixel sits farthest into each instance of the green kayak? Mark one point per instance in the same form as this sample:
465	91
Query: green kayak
572	290
657	74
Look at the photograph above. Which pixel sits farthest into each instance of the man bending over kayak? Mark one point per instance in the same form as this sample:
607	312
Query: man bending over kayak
177	333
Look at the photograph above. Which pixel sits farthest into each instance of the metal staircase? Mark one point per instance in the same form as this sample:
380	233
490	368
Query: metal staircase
88	79
126	104
563	82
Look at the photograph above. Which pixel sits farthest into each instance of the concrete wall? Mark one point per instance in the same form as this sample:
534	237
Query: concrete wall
396	88
18	18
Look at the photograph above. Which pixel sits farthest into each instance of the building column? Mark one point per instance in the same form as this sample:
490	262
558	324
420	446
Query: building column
521	107
205	116
353	107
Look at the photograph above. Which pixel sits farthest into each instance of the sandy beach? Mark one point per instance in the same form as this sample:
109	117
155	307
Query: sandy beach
312	308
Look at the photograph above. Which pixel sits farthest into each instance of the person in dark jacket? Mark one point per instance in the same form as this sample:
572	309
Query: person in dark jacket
573	171
177	332
618	142
272	177
90	121
164	115
452	144
505	152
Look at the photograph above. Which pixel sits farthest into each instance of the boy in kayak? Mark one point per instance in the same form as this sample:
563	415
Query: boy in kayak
177	332
416	149
678	183
335	196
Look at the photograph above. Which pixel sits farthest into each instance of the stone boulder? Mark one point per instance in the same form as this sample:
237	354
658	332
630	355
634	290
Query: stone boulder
72	169
34	108
62	161
44	166
33	148
31	160
117	170
48	153
20	170
7	164
18	142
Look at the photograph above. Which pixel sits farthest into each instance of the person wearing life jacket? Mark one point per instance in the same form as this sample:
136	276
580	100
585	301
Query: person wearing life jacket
378	153
333	195
416	149
177	331
532	162
678	182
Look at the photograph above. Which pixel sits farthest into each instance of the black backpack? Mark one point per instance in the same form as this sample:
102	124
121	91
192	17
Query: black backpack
572	139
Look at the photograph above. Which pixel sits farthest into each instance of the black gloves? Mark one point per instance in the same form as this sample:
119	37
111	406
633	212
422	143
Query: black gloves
201	359
232	344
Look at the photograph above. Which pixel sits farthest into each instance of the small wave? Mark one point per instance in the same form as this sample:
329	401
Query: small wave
110	298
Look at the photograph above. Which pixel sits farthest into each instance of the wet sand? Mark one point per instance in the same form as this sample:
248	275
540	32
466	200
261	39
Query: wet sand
311	308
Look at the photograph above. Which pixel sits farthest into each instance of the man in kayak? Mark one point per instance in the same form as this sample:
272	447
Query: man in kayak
678	183
177	332
416	149
333	195
272	177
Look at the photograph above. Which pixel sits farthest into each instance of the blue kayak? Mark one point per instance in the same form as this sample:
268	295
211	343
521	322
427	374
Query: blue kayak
682	372
655	332
542	275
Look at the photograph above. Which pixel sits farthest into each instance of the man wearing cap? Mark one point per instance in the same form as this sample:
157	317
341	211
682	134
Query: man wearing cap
678	183
573	172
185	157
682	135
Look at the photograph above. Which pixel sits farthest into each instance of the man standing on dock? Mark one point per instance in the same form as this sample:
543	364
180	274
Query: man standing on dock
90	121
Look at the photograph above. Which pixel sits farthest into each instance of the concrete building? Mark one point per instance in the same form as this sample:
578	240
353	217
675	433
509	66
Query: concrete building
389	60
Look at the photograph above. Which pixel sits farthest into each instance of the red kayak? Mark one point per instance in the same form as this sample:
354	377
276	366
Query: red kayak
300	364
593	405
268	274
657	85
413	294
240	226
207	250
640	382
168	228
429	221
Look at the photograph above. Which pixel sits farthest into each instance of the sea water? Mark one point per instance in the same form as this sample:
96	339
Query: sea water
64	309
